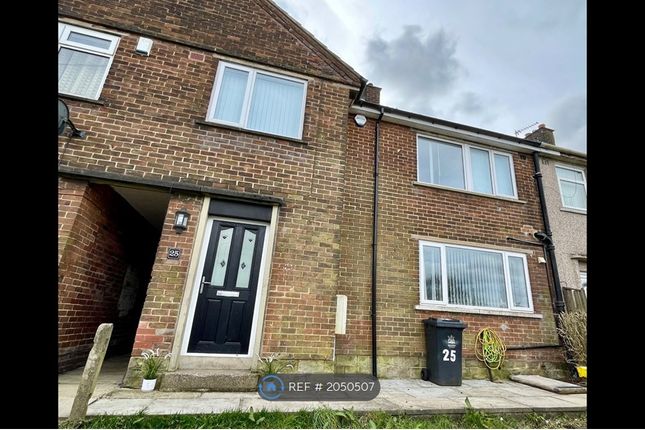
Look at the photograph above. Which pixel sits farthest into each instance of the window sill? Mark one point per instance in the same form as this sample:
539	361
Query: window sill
246	130
575	211
442	308
474	193
81	99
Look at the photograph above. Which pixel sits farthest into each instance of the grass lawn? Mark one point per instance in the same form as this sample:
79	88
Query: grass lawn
328	418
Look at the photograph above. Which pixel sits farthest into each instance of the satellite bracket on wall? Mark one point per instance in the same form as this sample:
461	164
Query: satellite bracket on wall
63	121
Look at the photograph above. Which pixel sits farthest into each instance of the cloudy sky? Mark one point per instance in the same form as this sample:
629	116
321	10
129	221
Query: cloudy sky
501	65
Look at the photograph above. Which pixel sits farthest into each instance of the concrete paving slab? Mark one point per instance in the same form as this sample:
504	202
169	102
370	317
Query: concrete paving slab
478	383
129	393
226	395
487	392
498	404
423	406
516	388
542	403
579	400
118	406
549	384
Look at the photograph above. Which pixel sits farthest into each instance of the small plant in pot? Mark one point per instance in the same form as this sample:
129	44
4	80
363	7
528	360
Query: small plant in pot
150	366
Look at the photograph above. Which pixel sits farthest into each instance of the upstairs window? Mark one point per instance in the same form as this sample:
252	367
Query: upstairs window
258	100
84	59
465	167
573	187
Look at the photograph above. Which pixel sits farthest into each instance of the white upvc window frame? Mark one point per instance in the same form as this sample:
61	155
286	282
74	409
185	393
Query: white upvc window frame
467	167
246	104
64	31
584	184
444	279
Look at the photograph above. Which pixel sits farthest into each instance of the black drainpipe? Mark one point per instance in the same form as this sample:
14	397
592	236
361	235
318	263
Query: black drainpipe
377	137
547	238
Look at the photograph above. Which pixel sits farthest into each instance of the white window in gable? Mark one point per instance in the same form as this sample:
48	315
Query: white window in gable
465	167
258	100
573	187
468	277
84	59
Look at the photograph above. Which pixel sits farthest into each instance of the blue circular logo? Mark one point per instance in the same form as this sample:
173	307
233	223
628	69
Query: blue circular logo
270	387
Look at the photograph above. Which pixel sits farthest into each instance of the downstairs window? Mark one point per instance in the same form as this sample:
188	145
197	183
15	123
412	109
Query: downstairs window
463	276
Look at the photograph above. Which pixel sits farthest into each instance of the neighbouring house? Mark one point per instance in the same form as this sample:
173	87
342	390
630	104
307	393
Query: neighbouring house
565	188
223	196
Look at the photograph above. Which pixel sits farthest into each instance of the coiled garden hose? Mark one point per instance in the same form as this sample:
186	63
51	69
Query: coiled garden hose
489	348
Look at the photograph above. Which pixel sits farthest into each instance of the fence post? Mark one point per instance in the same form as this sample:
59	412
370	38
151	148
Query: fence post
91	372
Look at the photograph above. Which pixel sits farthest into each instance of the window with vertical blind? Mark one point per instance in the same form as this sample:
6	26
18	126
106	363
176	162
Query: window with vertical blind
84	59
465	167
463	276
258	100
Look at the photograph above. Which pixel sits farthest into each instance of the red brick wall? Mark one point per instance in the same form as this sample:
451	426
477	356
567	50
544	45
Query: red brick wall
406	210
99	236
147	129
250	29
161	308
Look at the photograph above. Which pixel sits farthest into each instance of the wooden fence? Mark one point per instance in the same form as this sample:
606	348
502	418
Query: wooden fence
575	299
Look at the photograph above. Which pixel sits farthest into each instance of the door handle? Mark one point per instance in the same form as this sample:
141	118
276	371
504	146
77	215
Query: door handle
201	286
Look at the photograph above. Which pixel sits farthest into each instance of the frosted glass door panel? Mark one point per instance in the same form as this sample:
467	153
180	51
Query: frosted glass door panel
221	257
246	260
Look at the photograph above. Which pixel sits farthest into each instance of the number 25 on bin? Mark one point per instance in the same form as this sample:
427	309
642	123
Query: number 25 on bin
449	355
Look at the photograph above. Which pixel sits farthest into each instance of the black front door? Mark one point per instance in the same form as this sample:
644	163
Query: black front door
224	311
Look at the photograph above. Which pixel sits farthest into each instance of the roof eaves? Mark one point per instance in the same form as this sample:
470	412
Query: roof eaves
446	123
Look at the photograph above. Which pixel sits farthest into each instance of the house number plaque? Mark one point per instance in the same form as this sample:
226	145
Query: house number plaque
174	253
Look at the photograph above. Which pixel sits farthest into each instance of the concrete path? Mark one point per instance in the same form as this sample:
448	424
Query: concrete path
397	395
110	378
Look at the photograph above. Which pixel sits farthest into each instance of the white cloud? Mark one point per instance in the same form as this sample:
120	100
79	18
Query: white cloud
495	64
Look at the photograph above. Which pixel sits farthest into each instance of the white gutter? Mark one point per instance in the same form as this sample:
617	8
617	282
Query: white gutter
451	131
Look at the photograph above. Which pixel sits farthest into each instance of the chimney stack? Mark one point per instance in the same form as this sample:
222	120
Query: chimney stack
372	94
541	134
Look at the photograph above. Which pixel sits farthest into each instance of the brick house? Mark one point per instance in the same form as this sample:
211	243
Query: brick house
222	198
457	208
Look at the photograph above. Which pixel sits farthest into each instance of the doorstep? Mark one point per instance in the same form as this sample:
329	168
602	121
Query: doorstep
220	380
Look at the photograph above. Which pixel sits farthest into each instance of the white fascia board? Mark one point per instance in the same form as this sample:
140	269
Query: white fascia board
450	131
567	151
